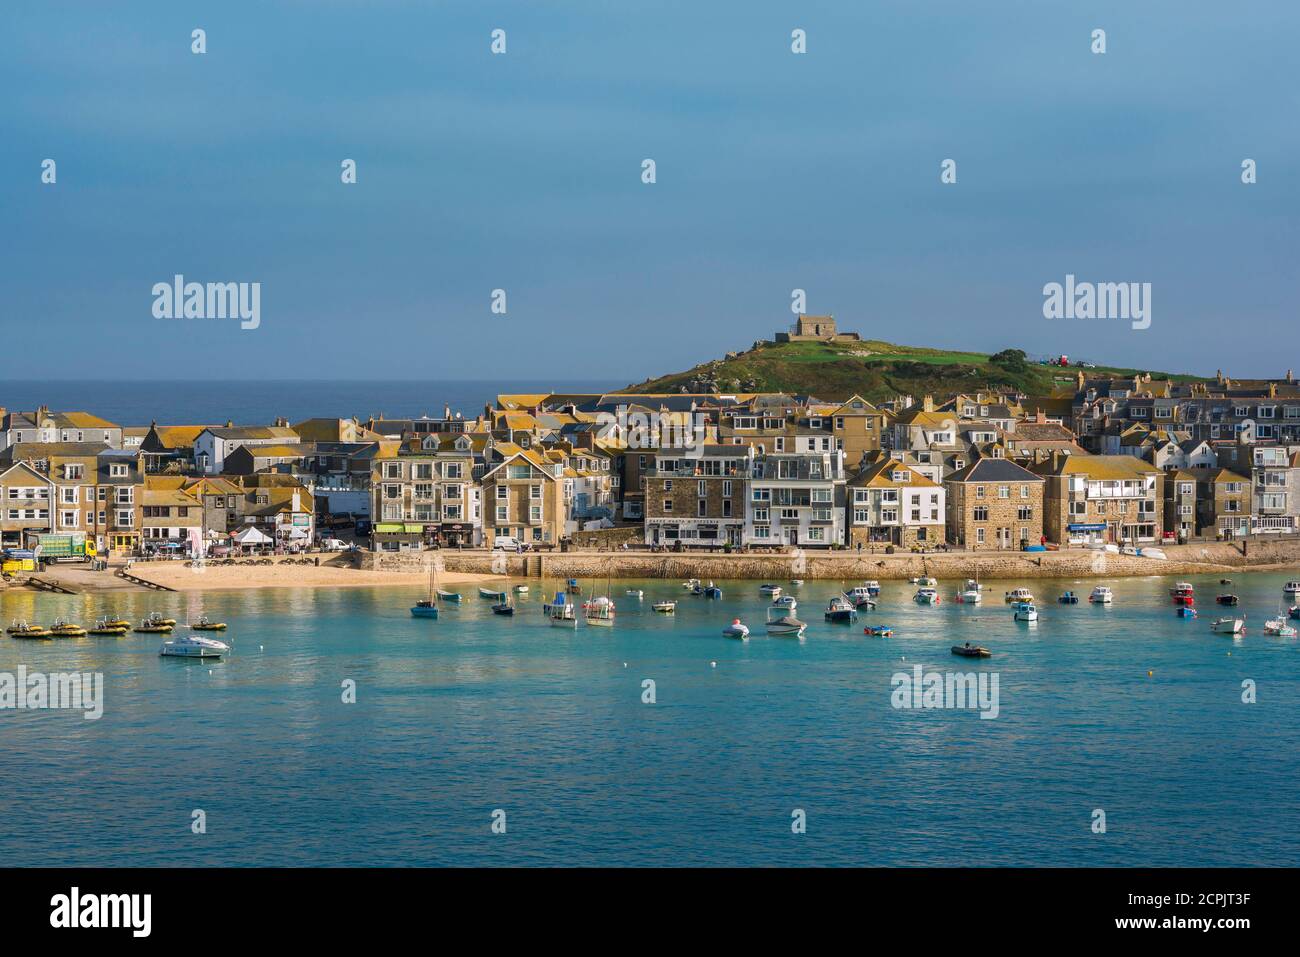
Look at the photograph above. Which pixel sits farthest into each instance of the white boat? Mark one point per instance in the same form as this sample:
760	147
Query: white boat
562	613
926	595
1101	595
786	601
1155	553
860	597
736	630
925	581
1291	589
193	646
1279	627
691	584
796	582
972	593
1181	588
773	590
1025	611
782	623
665	607
872	586
1228	626
1017	595
599	611
636	593
521	589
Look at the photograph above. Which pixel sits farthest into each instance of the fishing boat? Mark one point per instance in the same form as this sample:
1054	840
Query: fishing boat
66	629
1101	595
504	607
193	646
571	586
782	623
1181	589
1025	611
427	607
1017	595
872	586
971	651
157	619
207	624
736	630
149	627
772	590
1228	626
1292	588
599	611
636	593
972	593
451	596
1279	628
691	584
24	630
562	613
926	595
491	593
712	591
841	609
665	607
860	597
1227	599
879	631
1186	611
109	628
1068	598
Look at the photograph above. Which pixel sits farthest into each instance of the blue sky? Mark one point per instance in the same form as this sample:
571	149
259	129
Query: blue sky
522	172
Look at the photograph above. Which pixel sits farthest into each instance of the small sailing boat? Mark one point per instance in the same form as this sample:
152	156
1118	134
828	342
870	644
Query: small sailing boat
451	596
571	586
972	593
561	612
600	611
427	607
492	593
504	607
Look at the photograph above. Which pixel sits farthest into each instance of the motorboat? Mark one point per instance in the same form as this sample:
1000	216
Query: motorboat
1068	598
971	651
841	609
1292	589
1186	611
66	629
788	602
665	607
1156	553
599	611
24	630
207	624
1025	611
150	627
636	593
521	589
571	586
972	593
796	582
926	595
1101	595
860	597
782	623
157	619
503	607
1181	588
1017	595
736	630
925	581
1227	599
193	646
872	586
879	631
109	628
494	594
691	584
773	590
712	591
1279	627
115	623
1294	613
1228	626
562	613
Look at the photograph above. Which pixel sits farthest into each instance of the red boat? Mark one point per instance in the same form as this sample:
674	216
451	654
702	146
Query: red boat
1183	594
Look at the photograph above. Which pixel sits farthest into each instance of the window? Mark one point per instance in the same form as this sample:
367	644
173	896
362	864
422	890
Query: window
502	511
668	505
981	513
392	470
118	470
535	492
1025	513
979	491
1004	491
503	492
979	535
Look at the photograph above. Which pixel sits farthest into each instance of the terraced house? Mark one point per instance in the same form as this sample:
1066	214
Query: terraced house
1102	498
994	504
697	500
1275	474
890	503
27	496
523	494
423	492
796	499
44	426
1223	500
212	445
171	518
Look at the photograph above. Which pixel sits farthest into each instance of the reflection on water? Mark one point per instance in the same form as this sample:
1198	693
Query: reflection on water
472	712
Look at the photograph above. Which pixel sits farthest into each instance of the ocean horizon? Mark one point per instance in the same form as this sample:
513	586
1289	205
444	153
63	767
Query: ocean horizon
259	401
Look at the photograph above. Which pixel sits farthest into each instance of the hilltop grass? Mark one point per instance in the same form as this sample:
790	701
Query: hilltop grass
873	369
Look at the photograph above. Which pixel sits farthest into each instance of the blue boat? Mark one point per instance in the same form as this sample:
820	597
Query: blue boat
424	609
712	591
1186	611
1069	598
572	587
452	596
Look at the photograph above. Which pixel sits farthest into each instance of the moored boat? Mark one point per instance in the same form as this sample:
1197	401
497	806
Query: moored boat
1017	595
691	584
926	595
736	630
1279	627
1228	626
971	651
562	613
1101	595
24	630
572	587
109	628
157	619
1181	588
521	589
773	590
1227	599
193	646
599	611
1292	588
879	631
796	582
860	597
207	624
712	591
452	596
872	586
636	593
971	593
665	607
492	593
841	609
503	607
1025	611
66	629
424	608
1068	598
154	627
782	623
1186	611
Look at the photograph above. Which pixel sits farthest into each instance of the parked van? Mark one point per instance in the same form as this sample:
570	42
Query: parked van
507	543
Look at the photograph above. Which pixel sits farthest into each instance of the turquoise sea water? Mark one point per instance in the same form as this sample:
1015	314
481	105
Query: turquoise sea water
457	717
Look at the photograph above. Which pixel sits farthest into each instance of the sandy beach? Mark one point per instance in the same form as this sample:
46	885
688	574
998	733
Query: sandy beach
175	576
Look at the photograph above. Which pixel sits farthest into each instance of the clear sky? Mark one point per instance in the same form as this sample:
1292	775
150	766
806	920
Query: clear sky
522	172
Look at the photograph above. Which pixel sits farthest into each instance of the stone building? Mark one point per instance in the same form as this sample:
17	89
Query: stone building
994	503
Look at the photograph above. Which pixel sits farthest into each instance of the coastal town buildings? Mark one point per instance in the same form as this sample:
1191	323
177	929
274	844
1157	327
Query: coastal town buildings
889	503
1101	498
698	500
995	504
796	499
212	445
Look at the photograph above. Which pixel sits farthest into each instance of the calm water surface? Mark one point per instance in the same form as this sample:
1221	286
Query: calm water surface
473	712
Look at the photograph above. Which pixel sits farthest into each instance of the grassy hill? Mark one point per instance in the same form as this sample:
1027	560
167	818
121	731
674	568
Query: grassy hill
873	369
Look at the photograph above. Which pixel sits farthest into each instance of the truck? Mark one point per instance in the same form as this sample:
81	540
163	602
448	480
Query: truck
66	547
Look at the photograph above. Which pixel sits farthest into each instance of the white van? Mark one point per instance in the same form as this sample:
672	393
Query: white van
507	542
